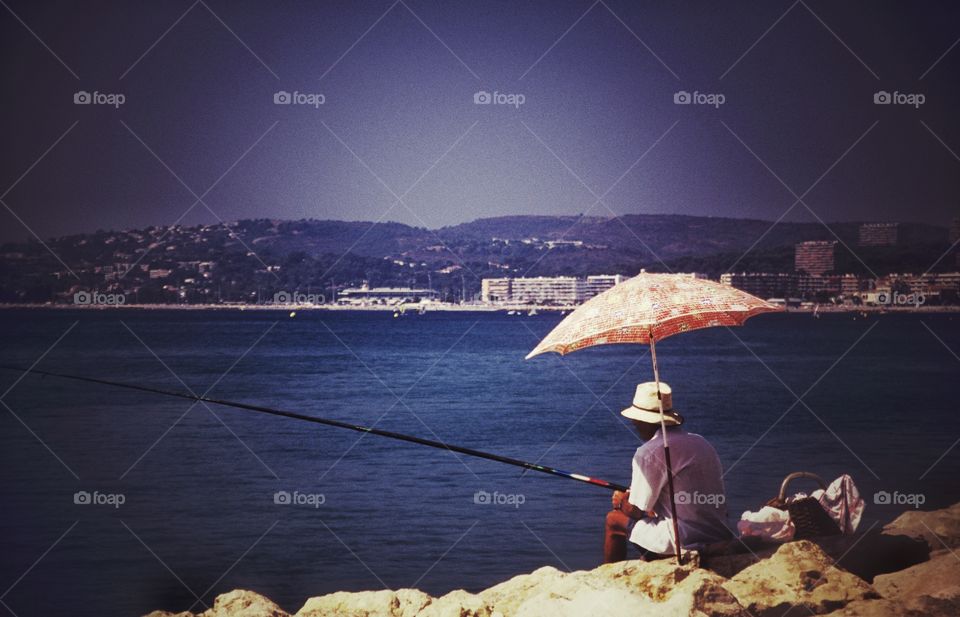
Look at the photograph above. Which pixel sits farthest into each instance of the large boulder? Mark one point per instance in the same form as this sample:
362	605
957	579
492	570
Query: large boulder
384	603
938	528
243	603
865	554
797	574
933	585
236	603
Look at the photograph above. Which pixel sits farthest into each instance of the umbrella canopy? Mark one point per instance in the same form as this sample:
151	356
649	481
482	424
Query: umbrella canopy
660	305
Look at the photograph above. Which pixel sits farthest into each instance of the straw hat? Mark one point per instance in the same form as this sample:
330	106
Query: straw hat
646	407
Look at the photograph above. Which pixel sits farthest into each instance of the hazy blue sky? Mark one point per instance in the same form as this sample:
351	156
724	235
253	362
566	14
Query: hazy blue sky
598	82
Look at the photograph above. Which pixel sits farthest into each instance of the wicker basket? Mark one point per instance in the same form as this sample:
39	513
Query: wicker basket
808	516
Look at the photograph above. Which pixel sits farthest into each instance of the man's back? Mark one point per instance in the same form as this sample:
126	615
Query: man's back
698	485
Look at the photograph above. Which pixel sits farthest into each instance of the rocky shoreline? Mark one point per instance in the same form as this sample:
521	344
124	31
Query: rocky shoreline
910	568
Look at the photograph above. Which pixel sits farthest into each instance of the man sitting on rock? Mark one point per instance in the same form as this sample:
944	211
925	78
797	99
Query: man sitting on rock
643	512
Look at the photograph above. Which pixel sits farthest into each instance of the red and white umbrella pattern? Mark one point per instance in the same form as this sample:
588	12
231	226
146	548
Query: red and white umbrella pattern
657	304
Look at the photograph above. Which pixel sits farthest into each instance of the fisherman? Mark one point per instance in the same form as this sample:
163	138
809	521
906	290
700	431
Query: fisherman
643	512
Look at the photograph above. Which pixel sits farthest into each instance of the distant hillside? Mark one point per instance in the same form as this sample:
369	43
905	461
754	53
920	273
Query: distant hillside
673	236
258	256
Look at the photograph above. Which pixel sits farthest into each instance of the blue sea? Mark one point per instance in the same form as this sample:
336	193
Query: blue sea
181	499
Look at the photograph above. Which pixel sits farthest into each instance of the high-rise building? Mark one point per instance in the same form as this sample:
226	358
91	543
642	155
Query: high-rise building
955	230
878	234
599	283
815	257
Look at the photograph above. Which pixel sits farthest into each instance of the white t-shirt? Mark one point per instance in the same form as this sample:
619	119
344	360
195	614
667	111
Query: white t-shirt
698	486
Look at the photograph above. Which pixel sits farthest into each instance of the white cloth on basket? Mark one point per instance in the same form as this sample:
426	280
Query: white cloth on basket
769	523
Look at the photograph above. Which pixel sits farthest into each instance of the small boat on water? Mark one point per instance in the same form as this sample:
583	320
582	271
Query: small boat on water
532	312
513	312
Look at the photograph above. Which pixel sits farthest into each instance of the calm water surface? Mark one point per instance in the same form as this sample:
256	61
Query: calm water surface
199	516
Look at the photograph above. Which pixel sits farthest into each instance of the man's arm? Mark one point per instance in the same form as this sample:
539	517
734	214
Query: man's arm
648	481
621	502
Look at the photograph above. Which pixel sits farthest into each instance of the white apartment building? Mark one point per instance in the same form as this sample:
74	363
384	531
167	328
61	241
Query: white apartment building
546	290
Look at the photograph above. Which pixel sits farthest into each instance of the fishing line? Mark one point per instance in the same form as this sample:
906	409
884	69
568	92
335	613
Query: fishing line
328	422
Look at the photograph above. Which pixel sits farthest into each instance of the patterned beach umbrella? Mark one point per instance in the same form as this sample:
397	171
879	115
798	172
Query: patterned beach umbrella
646	309
651	305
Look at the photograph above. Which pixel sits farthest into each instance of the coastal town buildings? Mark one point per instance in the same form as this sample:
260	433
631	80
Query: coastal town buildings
207	265
935	287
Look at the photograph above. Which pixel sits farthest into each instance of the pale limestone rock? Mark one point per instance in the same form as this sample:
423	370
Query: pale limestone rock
458	603
663	580
243	603
654	579
933	585
800	574
508	595
384	603
236	603
937	527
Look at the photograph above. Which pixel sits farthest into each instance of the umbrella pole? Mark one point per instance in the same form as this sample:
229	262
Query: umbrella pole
666	451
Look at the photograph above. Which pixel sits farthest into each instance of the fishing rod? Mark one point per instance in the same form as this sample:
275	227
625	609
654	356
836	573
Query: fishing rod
327	422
